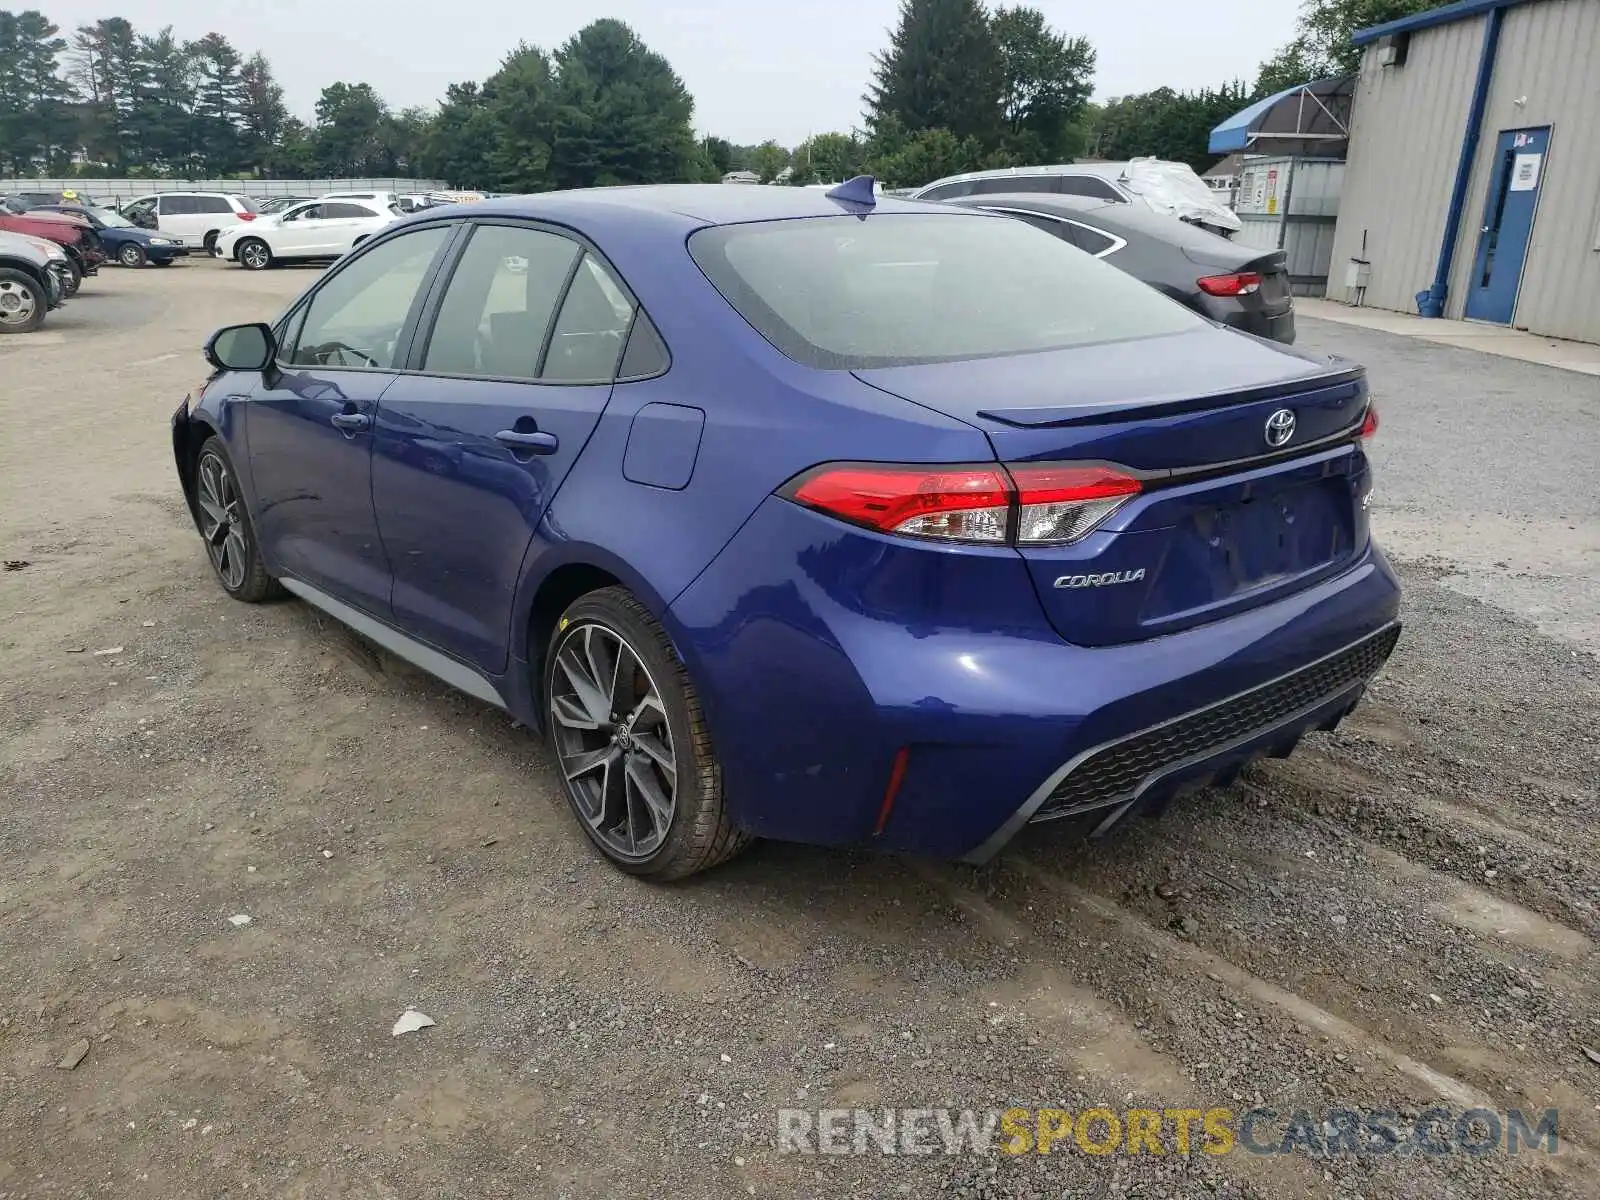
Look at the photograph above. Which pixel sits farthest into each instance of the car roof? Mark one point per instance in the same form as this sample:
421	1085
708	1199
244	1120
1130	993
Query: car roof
687	204
1101	170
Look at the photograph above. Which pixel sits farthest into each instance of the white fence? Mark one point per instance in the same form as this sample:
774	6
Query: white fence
122	190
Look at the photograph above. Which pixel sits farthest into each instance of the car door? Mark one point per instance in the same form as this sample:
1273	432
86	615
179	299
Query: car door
309	420
299	232
508	382
345	222
177	216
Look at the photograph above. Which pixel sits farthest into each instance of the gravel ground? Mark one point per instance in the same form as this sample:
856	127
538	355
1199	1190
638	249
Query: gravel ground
1402	915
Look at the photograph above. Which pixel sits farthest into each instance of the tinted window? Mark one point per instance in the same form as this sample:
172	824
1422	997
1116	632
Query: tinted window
1088	185
311	212
355	319
1092	240
838	292
213	204
948	191
247	204
497	309
346	210
646	353
589	332
178	206
1016	183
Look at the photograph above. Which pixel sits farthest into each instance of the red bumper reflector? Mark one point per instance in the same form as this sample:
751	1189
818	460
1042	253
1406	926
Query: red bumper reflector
897	774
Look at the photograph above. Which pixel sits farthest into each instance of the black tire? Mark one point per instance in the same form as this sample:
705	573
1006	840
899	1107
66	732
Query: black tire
77	275
699	834
162	262
131	254
210	240
253	254
235	556
23	301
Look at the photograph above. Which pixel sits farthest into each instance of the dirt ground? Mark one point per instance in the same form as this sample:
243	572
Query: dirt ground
1403	915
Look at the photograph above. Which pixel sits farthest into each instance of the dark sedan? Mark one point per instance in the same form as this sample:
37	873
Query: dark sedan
126	243
1244	287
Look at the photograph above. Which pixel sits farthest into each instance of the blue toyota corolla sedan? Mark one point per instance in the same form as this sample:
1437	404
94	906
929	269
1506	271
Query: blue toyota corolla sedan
805	515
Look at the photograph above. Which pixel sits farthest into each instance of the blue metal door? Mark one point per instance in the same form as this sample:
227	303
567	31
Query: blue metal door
1507	224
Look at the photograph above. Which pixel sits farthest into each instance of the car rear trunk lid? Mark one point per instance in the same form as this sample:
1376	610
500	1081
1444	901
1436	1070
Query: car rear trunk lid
1228	518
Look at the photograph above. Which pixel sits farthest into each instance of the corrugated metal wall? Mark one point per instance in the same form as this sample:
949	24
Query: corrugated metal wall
1550	60
1406	136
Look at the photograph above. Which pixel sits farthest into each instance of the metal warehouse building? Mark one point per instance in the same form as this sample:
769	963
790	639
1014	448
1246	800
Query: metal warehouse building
1473	180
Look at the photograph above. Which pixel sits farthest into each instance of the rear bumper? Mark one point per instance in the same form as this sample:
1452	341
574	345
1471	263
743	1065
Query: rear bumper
821	651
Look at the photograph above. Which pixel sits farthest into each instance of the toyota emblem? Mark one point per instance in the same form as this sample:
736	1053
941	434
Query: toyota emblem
1280	428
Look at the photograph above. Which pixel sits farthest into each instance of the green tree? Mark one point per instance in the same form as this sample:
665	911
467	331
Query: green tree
1048	79
109	70
219	144
1321	44
899	159
459	144
348	137
1167	124
621	114
521	102
942	70
768	159
831	157
719	155
262	113
163	110
35	117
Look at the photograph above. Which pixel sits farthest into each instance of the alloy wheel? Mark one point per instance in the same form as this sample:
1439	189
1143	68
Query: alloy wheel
221	521
17	303
131	256
613	740
255	256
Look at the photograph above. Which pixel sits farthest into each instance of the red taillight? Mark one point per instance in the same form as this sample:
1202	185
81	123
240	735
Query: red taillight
1026	503
246	216
1059	504
1241	283
966	504
1369	424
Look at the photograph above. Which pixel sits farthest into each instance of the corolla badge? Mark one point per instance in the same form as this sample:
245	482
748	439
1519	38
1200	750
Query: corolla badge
1280	427
1103	580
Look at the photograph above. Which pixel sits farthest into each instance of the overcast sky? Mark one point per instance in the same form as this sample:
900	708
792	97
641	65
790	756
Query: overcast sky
756	68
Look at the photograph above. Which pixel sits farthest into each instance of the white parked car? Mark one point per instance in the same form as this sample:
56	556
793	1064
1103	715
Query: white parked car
191	218
313	229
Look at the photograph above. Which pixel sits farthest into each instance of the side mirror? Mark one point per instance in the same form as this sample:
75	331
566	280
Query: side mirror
241	348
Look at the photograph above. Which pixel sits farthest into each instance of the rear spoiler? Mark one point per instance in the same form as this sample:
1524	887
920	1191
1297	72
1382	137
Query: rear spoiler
1333	385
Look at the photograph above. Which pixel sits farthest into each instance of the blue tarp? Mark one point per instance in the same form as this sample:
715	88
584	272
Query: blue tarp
1233	134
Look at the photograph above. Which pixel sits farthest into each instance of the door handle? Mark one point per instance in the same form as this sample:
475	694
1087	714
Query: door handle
351	422
531	442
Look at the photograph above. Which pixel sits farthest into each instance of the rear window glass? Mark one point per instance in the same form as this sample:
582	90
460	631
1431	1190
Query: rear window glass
894	290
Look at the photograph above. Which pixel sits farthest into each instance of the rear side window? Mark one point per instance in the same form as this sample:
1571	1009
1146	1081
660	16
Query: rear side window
1087	185
246	204
588	338
1016	183
213	204
948	191
1091	240
346	210
892	290
499	304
